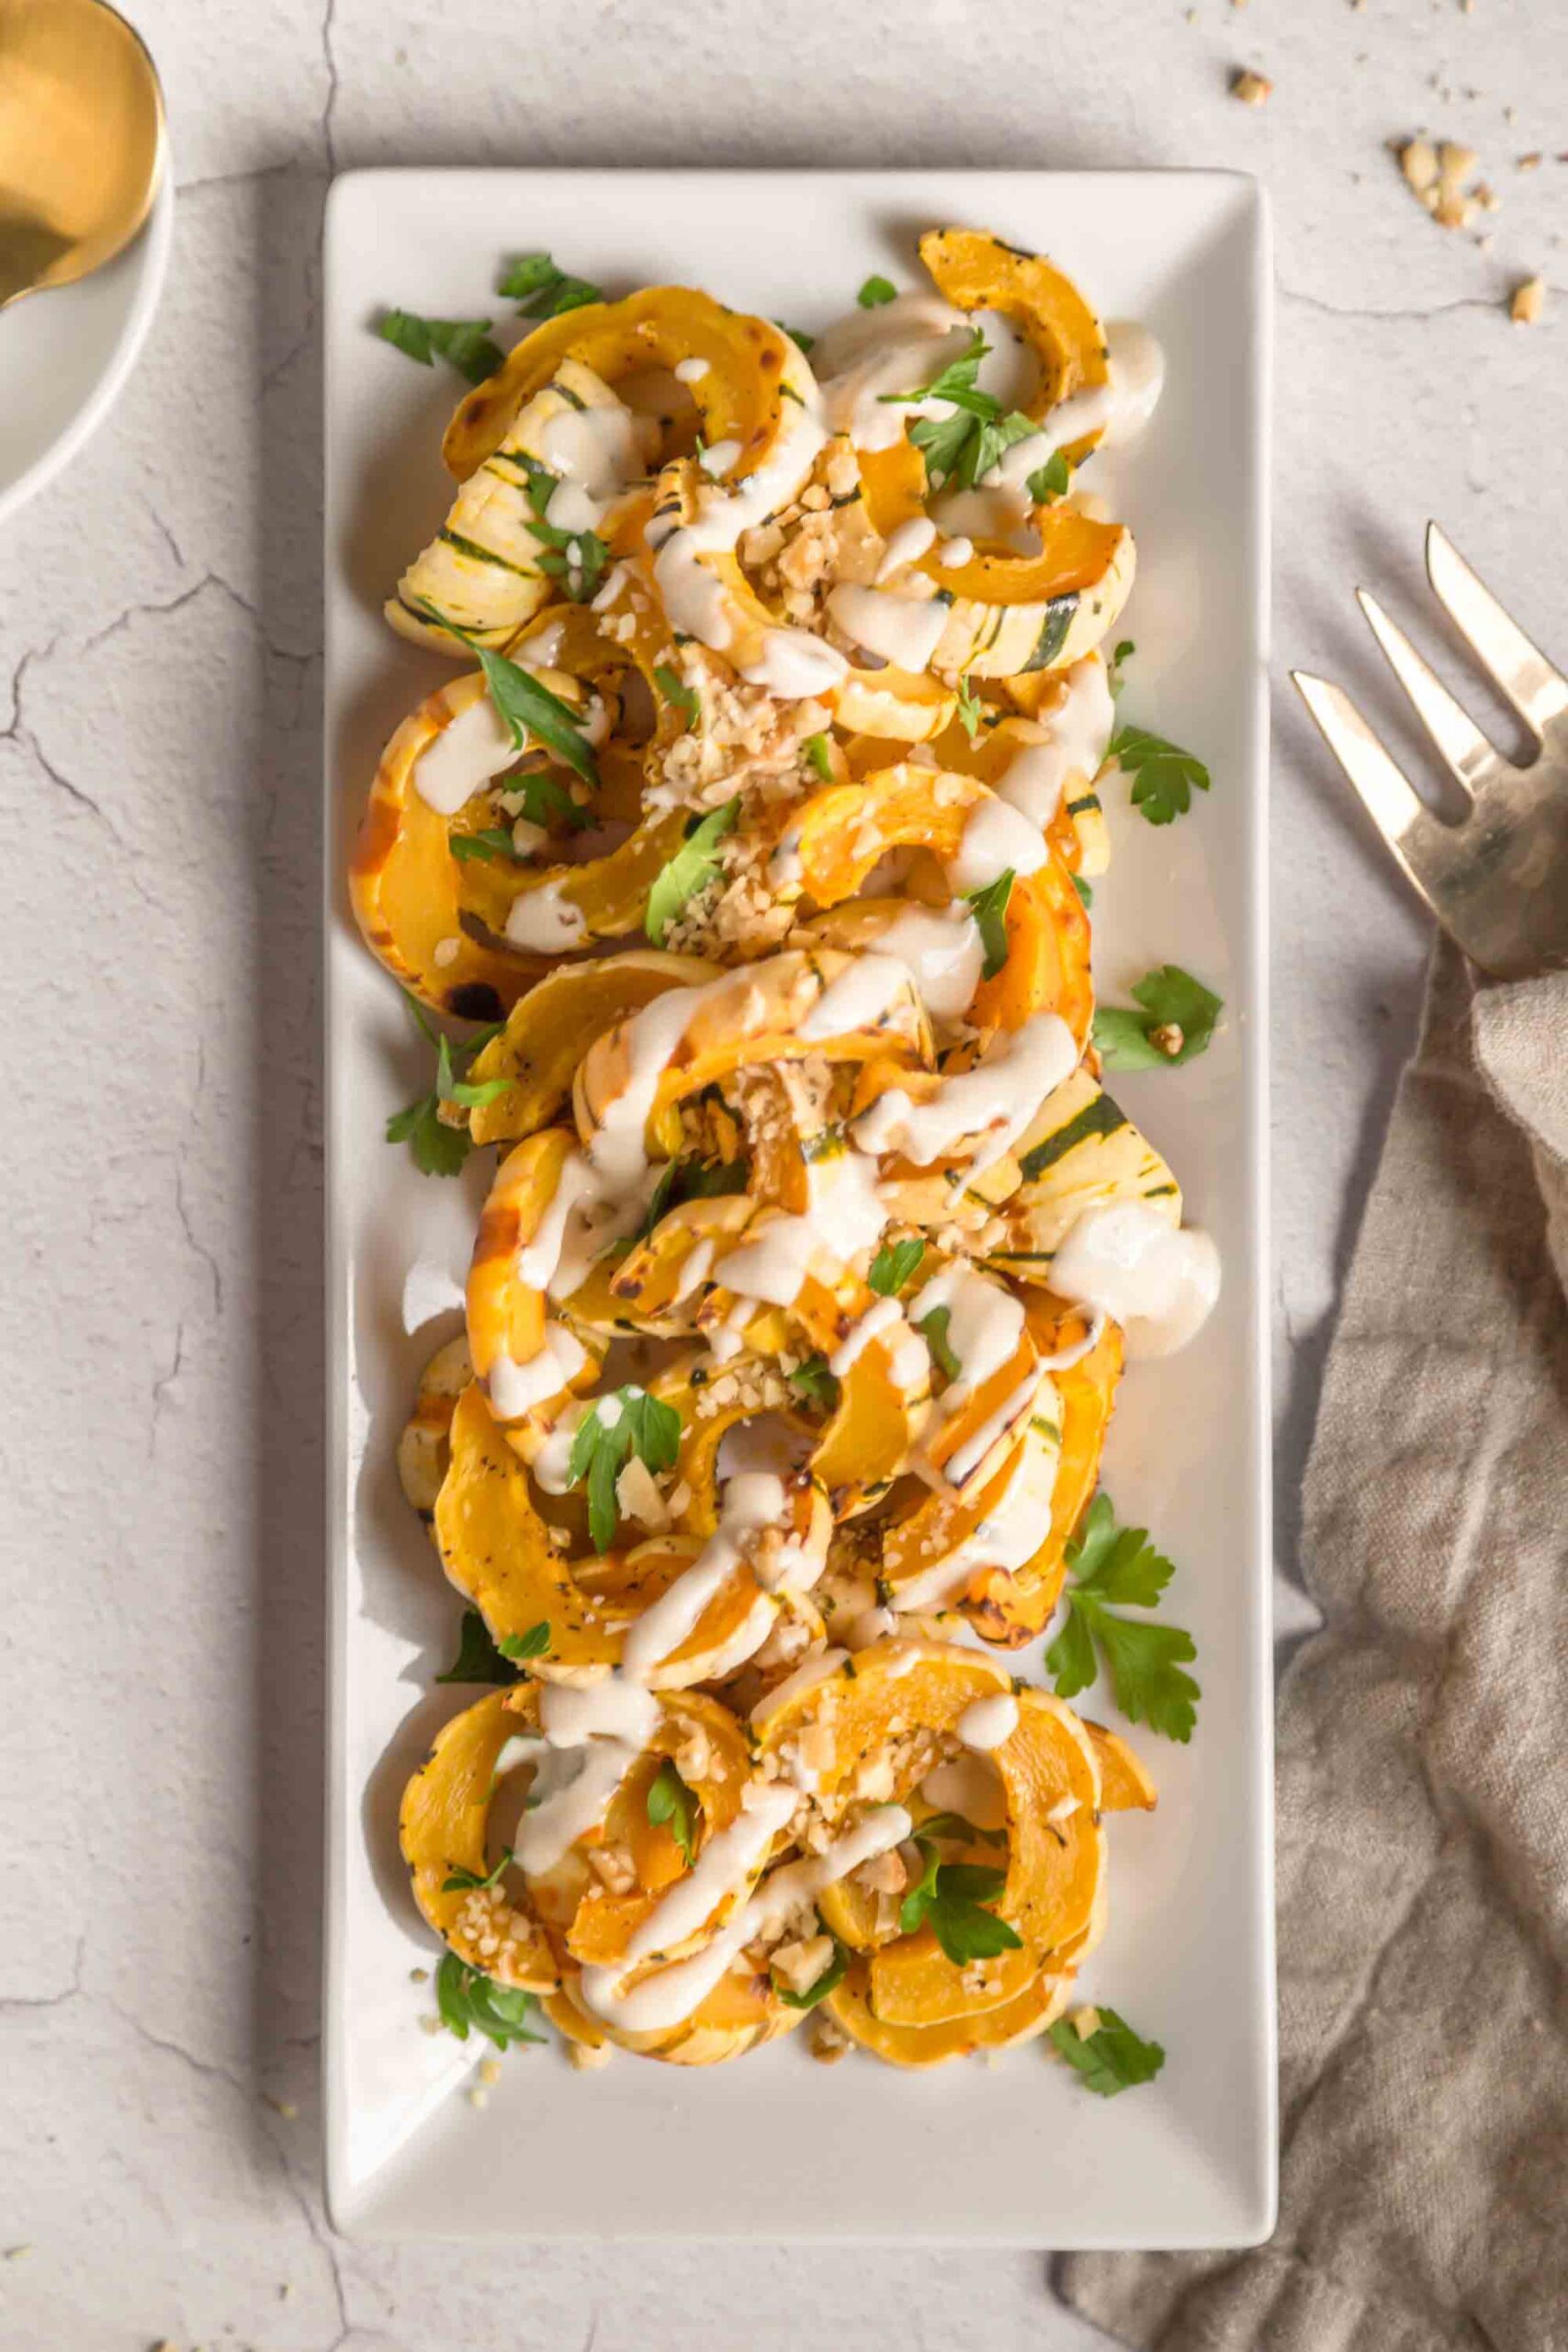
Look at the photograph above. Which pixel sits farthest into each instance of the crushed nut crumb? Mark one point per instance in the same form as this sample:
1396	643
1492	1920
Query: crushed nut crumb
1252	89
1527	301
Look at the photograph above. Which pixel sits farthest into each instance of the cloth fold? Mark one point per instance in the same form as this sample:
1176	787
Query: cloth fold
1423	1810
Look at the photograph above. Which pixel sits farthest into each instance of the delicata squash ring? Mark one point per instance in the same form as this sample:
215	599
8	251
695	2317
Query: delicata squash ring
783	1208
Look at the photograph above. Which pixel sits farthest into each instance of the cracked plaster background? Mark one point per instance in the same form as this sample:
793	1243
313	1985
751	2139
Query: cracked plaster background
159	800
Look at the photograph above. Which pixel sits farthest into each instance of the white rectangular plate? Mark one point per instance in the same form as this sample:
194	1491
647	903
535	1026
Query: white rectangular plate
774	2146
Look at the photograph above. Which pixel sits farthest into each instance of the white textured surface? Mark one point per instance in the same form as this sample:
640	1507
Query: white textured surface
159	799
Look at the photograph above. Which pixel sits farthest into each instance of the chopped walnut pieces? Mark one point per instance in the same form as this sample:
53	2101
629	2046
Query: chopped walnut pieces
798	1965
1167	1038
613	1868
1436	176
586	2055
829	2040
883	1874
1527	301
1252	89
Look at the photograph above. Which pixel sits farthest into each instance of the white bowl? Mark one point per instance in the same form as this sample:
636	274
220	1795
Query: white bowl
65	354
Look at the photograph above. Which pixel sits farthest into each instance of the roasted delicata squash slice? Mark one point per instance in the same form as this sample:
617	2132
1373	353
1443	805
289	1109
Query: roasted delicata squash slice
417	902
548	1030
1126	1784
975	271
481	579
424	1447
444	1829
1020	2019
748	372
1014	614
1080	1151
782	1010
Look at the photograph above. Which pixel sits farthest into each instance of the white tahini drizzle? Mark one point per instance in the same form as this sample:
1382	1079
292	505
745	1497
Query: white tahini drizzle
856	998
514	1388
994	1102
995	837
907	542
1070	740
894	348
469	750
985	1723
696	601
944	952
544	921
669	1996
796	665
1159	1281
905	630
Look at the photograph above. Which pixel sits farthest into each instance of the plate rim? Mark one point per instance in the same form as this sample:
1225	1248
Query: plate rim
352	2210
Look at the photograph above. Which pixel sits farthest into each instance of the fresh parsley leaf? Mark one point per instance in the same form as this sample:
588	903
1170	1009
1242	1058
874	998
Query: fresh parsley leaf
893	1265
798	335
541	290
440	1149
969	708
995	435
933	1330
952	1896
1110	2058
643	1425
689	1180
530	708
478	1659
814	1385
464	341
533	1644
943	440
671	1801
956	381
1164	776
953	1825
469	2000
690	869
1113	678
491	843
577	559
547	802
1177	1022
874	292
1112	1567
819	752
459	1881
1085	891
1050	481
989	908
682	697
832	1974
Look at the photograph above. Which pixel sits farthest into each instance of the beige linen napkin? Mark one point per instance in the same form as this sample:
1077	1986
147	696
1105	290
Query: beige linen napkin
1423	1800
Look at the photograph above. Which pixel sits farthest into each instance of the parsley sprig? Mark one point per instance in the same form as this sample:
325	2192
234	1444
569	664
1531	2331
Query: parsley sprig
1111	2058
478	1658
962	449
953	1898
645	1426
541	290
989	908
577	559
893	1265
1164	776
875	292
679	696
691	868
438	1147
832	1974
671	1802
533	1644
1176	1022
469	2000
460	1881
814	1385
1052	480
932	1328
463	343
1114	1567
689	1180
1113	668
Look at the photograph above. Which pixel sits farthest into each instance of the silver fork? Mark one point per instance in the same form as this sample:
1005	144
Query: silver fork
1497	880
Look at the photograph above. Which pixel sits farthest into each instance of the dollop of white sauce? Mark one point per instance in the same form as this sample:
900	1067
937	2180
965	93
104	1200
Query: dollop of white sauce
894	348
514	1388
906	545
903	629
987	1723
696	601
469	750
545	921
1073	739
796	665
1159	1281
996	836
857	998
944	952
